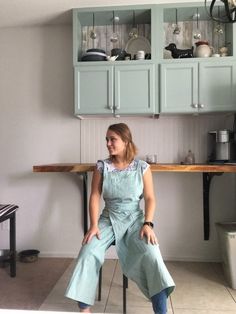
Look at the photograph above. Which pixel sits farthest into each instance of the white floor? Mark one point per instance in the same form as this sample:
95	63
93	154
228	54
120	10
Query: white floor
200	289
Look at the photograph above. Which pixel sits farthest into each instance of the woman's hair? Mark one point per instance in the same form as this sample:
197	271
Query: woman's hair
124	132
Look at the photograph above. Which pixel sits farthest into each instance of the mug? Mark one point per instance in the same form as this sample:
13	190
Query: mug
151	158
140	55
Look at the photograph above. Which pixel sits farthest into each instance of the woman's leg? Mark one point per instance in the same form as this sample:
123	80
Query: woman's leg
159	302
144	264
83	284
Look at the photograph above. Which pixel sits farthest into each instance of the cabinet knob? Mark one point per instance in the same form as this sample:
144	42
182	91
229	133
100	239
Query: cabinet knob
200	106
194	106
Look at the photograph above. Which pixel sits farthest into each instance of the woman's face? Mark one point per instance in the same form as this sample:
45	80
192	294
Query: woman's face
115	145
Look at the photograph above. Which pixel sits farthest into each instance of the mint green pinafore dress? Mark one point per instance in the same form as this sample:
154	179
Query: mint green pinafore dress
121	221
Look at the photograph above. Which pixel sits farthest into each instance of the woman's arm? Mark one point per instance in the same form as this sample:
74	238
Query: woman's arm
150	203
94	209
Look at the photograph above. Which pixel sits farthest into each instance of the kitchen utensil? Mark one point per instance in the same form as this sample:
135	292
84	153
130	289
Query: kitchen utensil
134	31
176	30
114	36
112	58
93	34
121	53
197	34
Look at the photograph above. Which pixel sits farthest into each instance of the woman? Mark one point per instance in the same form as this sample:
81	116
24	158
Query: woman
123	181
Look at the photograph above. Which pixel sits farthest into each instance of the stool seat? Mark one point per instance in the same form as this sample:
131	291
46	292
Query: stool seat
7	211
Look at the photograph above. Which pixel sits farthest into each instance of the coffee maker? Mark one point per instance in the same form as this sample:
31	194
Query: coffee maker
222	146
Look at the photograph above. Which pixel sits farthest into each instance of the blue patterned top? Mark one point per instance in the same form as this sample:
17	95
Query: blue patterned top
111	168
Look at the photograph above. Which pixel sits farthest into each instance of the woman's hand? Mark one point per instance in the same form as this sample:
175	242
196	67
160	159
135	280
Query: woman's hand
93	231
149	234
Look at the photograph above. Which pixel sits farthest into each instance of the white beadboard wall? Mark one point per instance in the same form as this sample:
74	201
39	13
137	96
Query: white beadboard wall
169	137
179	214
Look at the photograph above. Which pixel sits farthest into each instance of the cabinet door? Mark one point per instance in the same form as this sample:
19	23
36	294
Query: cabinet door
217	86
93	90
179	87
134	89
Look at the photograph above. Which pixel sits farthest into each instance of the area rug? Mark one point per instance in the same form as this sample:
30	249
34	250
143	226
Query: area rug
32	284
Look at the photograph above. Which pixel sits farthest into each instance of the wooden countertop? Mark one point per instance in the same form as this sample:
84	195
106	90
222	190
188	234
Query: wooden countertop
84	167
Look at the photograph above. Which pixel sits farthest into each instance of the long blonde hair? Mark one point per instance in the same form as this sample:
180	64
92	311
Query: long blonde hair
124	132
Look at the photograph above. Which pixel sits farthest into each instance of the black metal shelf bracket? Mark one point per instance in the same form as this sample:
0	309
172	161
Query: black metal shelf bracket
85	199
207	177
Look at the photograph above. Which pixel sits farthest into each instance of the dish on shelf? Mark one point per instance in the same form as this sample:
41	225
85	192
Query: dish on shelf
136	44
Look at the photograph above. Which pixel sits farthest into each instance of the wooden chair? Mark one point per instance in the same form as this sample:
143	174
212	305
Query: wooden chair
8	211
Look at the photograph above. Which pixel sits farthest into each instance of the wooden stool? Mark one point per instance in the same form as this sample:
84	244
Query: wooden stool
7	211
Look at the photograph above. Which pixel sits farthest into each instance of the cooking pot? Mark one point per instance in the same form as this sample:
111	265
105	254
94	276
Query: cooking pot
94	54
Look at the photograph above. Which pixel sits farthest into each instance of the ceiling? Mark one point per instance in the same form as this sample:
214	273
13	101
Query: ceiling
17	13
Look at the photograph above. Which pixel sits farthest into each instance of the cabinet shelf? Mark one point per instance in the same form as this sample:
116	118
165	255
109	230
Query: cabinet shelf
102	22
194	21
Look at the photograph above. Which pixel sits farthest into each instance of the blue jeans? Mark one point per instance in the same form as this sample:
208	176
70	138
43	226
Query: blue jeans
83	305
159	301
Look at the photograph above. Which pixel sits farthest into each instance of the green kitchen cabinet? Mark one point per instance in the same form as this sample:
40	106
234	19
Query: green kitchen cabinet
159	84
115	89
217	86
134	89
93	90
195	87
178	87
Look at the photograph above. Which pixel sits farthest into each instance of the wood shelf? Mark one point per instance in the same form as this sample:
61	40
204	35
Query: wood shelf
88	167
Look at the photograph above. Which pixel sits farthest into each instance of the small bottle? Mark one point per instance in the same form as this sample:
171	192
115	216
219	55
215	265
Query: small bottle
190	159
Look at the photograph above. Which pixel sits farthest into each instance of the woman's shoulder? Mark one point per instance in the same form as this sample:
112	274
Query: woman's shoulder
100	164
142	164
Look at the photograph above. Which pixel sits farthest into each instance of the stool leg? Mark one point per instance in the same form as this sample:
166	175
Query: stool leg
125	286
100	285
13	245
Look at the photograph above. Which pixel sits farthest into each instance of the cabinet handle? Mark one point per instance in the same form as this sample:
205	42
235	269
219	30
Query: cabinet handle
200	106
194	106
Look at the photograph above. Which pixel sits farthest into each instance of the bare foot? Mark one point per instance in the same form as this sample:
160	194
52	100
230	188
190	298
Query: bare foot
85	310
